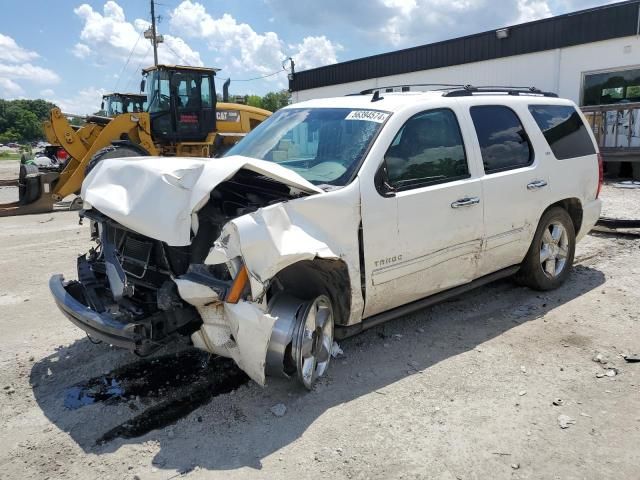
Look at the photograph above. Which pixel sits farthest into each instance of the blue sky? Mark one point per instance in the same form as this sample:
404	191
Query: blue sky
71	51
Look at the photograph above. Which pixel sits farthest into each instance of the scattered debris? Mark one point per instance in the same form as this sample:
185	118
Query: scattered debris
50	219
633	358
565	420
558	402
397	336
279	409
515	466
522	392
9	390
523	369
612	372
582	414
599	358
336	351
627	184
599	375
502	454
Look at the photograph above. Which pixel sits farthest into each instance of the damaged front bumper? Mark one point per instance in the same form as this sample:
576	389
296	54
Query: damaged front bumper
100	326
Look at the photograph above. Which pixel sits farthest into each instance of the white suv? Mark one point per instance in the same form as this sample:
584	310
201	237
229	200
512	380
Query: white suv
332	216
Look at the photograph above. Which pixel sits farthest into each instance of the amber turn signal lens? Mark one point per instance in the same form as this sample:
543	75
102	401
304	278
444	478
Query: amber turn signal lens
238	286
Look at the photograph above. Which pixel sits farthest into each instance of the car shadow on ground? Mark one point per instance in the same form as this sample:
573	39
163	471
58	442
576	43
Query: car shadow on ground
236	428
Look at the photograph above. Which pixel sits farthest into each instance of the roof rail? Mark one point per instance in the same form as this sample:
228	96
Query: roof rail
442	85
469	90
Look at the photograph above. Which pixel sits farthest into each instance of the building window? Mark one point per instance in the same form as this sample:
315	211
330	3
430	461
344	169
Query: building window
503	141
611	87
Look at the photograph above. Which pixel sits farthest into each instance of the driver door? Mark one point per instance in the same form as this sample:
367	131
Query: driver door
422	229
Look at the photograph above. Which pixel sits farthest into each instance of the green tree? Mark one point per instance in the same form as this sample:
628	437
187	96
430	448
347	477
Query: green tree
275	100
21	120
254	101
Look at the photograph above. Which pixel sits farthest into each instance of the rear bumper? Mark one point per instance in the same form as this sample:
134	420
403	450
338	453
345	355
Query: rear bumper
590	215
100	326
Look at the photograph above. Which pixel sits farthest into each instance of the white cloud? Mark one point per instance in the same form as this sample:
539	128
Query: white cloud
402	23
241	47
15	69
47	93
85	102
109	35
81	50
315	51
11	52
29	72
10	89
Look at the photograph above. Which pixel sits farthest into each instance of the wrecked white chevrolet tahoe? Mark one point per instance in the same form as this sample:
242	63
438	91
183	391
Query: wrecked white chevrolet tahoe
333	216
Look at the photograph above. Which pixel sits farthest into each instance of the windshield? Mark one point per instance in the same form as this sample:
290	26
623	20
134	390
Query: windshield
323	145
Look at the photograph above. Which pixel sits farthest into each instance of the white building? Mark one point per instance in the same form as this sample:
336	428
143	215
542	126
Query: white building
573	55
591	56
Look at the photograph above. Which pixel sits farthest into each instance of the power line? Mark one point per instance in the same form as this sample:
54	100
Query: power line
177	54
252	79
137	69
115	89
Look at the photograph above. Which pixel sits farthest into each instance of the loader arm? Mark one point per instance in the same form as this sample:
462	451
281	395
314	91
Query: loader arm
134	127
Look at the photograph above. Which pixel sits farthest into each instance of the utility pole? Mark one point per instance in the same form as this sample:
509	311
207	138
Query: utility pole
153	32
150	34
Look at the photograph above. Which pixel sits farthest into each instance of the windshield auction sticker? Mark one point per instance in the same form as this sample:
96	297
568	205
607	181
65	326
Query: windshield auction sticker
368	115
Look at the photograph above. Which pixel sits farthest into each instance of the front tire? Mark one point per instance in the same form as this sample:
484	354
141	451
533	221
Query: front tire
313	340
550	257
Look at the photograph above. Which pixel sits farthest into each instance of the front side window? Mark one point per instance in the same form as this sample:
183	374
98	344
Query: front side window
503	140
323	145
428	149
564	130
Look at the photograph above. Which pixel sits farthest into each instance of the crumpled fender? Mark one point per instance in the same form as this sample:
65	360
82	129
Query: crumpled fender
267	241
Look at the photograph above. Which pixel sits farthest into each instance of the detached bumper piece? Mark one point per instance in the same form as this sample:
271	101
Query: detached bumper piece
69	297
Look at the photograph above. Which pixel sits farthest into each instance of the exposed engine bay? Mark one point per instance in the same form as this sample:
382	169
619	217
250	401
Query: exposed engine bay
131	277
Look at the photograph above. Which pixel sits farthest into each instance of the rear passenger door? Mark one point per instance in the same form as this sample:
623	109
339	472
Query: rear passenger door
514	184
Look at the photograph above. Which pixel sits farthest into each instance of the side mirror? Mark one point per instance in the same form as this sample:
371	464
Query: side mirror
102	106
143	84
381	181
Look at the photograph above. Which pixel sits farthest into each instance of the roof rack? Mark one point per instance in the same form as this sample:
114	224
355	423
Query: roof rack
442	85
469	90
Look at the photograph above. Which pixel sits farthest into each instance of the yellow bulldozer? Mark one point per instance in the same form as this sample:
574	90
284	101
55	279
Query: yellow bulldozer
182	118
114	104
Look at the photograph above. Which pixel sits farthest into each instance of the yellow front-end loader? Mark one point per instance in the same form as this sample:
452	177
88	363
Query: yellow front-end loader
182	119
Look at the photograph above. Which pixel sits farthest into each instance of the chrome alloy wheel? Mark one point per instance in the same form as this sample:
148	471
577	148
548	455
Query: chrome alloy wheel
554	249
312	340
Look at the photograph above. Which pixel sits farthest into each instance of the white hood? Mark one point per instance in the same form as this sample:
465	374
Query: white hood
155	196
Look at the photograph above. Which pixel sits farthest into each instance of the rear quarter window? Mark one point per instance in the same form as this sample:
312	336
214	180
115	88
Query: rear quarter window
564	130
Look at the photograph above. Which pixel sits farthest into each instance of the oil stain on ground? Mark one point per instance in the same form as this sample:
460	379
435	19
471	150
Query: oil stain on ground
176	385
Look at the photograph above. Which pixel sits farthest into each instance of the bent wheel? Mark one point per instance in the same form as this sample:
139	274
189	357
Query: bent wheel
312	340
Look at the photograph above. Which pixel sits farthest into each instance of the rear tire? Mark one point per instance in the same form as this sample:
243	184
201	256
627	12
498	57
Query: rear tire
115	151
28	187
550	257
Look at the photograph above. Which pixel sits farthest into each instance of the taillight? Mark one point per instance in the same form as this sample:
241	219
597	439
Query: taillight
600	174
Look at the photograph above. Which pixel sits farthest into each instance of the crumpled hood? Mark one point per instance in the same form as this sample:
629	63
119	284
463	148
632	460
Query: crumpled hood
155	196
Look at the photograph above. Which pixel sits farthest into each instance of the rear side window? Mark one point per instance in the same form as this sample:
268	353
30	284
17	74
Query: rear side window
503	141
564	130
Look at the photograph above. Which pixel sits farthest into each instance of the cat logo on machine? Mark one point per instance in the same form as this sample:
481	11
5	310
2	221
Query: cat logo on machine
228	115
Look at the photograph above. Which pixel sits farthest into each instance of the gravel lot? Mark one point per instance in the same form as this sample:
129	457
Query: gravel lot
463	390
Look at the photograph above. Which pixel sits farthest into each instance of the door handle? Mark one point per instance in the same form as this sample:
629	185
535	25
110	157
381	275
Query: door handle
536	184
466	202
